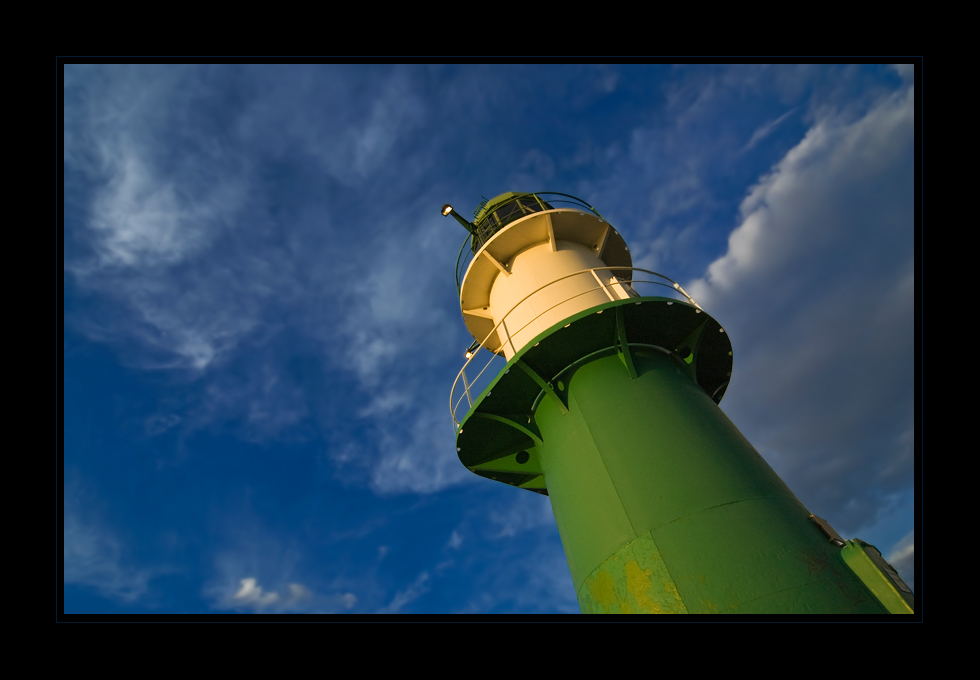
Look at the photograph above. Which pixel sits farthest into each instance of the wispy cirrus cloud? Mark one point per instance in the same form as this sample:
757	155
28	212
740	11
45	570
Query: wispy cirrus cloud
163	194
95	556
765	130
419	587
524	512
419	456
528	575
143	218
350	132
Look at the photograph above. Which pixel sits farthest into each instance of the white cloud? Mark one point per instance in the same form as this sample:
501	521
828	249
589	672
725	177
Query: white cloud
907	71
395	111
417	589
765	130
548	586
372	356
95	557
264	402
188	325
299	593
902	557
385	402
527	576
810	204
263	571
350	131
535	170
682	192
163	193
142	218
455	540
524	511
816	291
190	275
152	205
420	458
297	597
251	595
158	424
393	339
394	321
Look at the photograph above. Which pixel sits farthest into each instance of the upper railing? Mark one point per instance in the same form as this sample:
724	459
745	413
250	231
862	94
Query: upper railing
502	214
610	288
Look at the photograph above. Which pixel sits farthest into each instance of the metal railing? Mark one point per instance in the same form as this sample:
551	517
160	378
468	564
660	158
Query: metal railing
607	288
487	226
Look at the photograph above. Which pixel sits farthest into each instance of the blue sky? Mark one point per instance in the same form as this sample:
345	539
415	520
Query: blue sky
261	326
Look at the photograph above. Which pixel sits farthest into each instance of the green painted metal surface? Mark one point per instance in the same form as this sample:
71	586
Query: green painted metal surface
662	505
880	577
634	580
541	370
655	459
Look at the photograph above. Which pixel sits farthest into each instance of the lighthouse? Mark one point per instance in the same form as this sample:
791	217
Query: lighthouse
606	400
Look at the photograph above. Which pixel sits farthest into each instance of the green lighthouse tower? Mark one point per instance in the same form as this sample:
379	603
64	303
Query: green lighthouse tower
608	404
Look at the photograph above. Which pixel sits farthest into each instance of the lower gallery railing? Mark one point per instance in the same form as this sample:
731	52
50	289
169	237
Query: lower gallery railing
612	290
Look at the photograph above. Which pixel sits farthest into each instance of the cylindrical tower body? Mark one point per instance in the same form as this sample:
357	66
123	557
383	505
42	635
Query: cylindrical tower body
538	268
608	404
663	505
524	306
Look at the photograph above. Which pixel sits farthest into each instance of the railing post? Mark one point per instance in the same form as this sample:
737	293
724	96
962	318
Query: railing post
504	334
684	293
603	286
466	387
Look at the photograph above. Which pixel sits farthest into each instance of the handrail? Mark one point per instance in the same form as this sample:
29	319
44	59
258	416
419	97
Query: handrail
497	354
538	196
459	257
462	372
472	240
676	286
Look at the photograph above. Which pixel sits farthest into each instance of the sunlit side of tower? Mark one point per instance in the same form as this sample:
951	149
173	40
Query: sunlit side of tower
608	404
